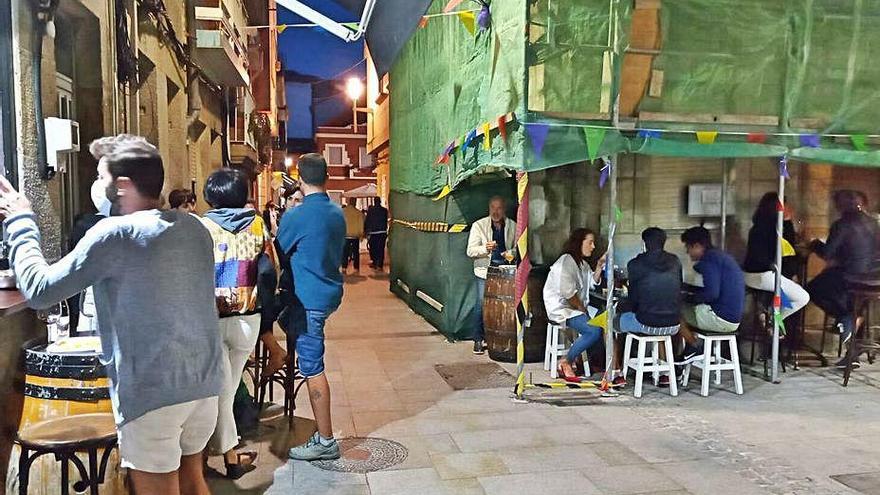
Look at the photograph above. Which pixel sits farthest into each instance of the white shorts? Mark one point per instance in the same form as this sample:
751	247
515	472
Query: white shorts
155	442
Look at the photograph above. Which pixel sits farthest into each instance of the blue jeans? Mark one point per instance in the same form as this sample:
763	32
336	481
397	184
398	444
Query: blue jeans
479	331
308	331
629	324
589	335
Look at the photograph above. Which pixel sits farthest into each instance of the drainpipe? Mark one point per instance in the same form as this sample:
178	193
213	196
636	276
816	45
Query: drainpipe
44	12
193	96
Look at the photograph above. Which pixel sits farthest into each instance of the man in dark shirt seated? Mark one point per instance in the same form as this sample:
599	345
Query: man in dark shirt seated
717	306
653	303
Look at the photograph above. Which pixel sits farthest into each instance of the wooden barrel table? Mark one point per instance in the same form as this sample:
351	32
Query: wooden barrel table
56	386
499	319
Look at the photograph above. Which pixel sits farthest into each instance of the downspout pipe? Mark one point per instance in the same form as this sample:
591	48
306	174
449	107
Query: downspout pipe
44	14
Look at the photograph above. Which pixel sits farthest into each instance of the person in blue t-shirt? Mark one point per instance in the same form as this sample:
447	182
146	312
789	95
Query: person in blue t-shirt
313	236
717	306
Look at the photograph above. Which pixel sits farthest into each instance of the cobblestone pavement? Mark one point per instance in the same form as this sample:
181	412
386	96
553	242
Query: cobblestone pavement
786	438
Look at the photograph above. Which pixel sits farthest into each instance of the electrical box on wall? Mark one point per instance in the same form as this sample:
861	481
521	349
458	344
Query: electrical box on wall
62	136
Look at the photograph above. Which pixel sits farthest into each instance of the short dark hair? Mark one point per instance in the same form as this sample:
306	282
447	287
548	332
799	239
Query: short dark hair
697	235
226	188
135	158
180	197
312	169
654	238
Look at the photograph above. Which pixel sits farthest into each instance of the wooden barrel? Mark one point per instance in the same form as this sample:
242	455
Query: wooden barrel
499	320
60	385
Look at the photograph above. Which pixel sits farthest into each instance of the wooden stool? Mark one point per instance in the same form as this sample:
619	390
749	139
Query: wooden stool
653	363
290	379
63	438
862	297
713	361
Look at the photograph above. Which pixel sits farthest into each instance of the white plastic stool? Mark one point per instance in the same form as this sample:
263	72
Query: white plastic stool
652	363
712	361
553	349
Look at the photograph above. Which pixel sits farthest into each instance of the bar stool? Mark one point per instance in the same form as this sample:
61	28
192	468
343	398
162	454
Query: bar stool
712	360
553	348
63	438
652	363
290	379
863	292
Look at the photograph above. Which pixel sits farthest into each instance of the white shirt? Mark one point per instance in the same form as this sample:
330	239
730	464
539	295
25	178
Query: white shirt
566	280
480	235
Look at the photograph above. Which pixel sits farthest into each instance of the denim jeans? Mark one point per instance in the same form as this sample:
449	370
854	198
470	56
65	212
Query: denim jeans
479	331
588	335
308	330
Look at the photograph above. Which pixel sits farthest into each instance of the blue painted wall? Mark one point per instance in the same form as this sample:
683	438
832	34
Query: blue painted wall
315	52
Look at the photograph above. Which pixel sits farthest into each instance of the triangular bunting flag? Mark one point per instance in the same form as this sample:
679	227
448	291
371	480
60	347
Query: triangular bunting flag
443	193
783	167
600	320
858	141
351	25
451	5
469	20
487	138
787	249
595	136
605	172
777	318
786	302
618	214
463	145
423	22
645	133
502	127
706	137
469	138
809	140
756	138
280	28
538	135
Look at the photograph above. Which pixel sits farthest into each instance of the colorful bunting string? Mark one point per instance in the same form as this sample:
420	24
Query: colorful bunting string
595	137
487	138
858	141
605	172
502	127
538	135
809	140
468	19
647	133
756	137
484	18
783	167
451	5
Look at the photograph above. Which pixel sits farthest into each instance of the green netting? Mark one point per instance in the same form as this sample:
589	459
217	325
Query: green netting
446	82
435	264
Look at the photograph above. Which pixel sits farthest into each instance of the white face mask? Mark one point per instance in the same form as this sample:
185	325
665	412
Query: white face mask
99	198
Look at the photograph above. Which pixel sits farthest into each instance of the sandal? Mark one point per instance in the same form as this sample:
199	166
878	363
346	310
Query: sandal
560	372
239	469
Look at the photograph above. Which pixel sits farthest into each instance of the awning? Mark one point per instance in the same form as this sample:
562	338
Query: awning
392	24
366	191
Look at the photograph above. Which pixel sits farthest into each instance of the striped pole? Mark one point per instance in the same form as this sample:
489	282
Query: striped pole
522	277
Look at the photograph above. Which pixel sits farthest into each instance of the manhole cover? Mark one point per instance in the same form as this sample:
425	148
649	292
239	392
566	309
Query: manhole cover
474	376
365	455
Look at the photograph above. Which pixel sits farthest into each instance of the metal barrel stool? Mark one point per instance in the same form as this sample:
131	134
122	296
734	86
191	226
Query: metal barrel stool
63	438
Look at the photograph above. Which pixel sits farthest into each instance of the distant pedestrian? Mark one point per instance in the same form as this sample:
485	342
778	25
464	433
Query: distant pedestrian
242	245
152	273
376	229
354	232
313	235
183	200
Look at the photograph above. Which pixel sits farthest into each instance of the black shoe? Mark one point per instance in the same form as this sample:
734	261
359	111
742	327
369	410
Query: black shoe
478	347
691	353
842	364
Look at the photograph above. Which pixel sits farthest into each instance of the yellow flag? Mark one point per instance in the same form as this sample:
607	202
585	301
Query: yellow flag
280	28
443	193
600	320
487	140
469	19
787	249
706	137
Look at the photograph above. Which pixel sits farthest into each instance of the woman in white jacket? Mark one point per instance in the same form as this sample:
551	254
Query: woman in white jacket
567	295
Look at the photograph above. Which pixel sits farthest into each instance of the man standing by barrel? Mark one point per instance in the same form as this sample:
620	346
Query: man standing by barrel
152	273
492	241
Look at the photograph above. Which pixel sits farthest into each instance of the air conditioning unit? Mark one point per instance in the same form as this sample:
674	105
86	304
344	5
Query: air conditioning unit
62	136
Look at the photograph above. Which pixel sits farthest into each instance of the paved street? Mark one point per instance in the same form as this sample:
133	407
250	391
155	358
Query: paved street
786	438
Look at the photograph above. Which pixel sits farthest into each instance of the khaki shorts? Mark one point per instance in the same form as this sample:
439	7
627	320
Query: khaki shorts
155	442
701	317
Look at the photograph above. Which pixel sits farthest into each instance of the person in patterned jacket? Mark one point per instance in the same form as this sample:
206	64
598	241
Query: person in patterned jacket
241	239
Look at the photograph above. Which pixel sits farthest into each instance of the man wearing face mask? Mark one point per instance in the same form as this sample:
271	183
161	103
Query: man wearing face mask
152	273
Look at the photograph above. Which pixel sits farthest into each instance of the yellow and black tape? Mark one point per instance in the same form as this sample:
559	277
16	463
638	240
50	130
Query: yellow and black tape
433	226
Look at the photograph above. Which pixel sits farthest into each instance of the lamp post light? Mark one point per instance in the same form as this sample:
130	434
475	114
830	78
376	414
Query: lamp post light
355	88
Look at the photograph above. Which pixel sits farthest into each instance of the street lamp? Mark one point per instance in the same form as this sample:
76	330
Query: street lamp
355	88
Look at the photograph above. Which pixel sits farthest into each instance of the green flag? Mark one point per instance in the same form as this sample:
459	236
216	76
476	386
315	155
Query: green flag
858	141
595	136
618	214
777	317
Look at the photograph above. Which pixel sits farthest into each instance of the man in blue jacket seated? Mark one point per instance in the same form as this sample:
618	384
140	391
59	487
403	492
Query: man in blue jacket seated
717	306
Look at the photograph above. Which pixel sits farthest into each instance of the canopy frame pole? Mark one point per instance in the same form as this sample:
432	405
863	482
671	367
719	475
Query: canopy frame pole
609	269
777	287
725	173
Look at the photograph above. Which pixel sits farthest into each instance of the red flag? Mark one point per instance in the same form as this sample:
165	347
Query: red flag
757	137
423	22
451	5
502	127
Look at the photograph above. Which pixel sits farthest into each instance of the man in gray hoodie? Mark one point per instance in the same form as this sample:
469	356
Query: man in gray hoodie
152	274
